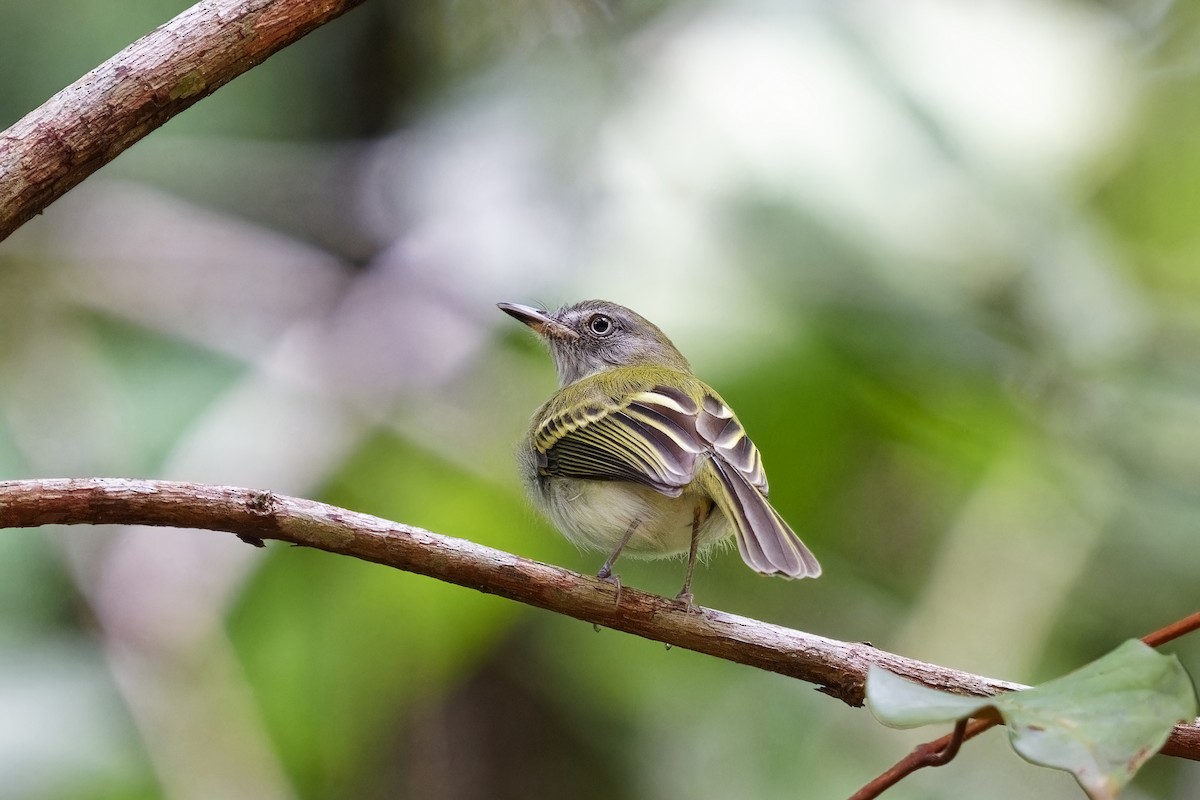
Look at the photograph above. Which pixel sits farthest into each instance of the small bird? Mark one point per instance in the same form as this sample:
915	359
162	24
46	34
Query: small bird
636	454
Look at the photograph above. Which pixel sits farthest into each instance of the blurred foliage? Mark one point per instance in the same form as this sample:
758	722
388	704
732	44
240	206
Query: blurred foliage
939	256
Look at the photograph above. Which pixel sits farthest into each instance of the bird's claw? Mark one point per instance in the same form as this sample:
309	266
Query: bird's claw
689	602
608	576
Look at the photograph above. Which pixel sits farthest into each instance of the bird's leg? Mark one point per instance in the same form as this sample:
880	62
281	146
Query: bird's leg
606	573
685	594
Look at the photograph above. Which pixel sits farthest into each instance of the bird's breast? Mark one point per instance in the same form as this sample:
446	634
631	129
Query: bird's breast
596	514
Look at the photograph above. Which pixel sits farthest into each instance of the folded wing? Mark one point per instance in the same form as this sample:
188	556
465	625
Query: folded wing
664	439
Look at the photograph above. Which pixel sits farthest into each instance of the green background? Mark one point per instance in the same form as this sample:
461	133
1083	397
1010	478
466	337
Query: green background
940	257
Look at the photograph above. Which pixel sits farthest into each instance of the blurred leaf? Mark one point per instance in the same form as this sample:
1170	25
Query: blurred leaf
163	384
340	650
71	39
1101	722
64	730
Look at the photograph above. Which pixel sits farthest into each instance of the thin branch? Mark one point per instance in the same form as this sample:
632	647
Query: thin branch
838	668
941	756
937	753
1173	631
95	119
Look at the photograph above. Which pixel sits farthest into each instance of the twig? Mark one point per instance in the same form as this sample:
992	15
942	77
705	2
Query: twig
95	119
838	668
937	753
1173	631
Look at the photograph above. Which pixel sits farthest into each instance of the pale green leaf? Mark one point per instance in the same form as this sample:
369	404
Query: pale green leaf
1101	722
901	703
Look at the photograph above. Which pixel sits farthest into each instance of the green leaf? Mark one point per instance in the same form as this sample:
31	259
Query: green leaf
1101	722
901	703
339	650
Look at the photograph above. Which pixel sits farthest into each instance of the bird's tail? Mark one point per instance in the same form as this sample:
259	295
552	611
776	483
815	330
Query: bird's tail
765	541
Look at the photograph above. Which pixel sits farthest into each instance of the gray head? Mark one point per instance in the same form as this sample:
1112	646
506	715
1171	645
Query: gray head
596	335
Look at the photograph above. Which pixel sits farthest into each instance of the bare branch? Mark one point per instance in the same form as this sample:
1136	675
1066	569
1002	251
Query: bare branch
95	119
1173	631
838	668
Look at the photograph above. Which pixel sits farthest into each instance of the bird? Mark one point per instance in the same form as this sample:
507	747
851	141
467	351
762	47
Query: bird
635	454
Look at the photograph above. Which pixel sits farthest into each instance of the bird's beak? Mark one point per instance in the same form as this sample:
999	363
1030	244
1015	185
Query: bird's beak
544	324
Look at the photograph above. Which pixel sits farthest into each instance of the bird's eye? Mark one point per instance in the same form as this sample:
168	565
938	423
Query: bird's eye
601	325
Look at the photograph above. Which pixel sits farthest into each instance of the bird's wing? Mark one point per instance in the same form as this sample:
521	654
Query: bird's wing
719	429
647	437
655	437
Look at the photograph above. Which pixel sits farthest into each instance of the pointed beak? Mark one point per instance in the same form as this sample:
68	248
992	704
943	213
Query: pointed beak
544	324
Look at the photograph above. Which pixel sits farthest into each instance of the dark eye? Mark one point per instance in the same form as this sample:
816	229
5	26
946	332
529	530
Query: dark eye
601	325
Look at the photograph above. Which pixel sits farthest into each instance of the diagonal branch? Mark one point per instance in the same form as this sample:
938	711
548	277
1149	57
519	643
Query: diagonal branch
92	121
838	668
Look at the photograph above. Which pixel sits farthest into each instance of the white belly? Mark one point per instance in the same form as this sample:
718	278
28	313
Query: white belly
596	514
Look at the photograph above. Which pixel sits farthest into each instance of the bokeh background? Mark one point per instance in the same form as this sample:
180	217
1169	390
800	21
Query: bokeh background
941	256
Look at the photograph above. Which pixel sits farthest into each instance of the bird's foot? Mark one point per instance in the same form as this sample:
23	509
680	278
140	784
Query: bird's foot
608	576
689	602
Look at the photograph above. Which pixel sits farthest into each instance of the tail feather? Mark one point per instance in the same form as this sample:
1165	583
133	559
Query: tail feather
765	541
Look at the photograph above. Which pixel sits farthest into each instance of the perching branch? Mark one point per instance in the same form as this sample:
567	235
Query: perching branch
95	119
838	668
